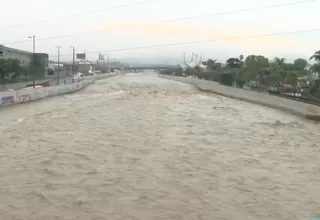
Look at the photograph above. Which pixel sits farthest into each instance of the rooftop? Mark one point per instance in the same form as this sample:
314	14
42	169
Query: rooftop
13	49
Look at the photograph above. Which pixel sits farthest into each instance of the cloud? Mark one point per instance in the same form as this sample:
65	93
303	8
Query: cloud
182	32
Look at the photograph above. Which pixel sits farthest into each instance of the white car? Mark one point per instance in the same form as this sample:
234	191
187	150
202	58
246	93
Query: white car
77	77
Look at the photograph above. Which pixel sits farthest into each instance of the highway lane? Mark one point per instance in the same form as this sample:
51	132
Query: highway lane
21	85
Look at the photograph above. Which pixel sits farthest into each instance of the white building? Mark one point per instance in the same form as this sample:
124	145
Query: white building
24	57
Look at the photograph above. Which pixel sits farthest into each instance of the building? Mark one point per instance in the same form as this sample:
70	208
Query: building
11	53
38	61
82	67
41	63
54	68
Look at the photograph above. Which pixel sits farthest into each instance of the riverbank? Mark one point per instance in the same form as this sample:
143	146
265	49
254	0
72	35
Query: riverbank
32	94
294	107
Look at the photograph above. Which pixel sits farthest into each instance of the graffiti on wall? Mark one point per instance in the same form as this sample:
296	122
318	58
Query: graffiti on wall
7	100
37	95
24	98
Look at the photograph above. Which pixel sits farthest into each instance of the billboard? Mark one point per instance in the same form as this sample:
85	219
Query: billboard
101	57
81	56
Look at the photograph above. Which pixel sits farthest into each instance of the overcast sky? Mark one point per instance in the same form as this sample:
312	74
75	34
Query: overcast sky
109	29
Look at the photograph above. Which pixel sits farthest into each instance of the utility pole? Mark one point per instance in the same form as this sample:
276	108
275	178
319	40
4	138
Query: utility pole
58	72
33	59
196	55
109	62
73	60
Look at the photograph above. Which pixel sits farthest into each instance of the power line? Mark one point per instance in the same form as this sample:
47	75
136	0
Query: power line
204	41
77	15
171	20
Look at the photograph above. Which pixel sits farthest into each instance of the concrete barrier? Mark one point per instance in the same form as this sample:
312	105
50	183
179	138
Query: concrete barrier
7	97
31	94
298	108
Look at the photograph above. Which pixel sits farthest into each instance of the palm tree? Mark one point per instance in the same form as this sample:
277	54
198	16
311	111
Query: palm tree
279	68
279	61
212	69
316	67
211	63
316	56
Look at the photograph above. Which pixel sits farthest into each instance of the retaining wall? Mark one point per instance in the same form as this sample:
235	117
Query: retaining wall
31	94
298	108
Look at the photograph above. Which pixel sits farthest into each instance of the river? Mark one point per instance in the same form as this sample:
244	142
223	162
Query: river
140	147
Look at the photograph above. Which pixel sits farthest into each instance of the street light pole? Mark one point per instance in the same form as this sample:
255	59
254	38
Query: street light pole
73	60
85	60
58	72
33	59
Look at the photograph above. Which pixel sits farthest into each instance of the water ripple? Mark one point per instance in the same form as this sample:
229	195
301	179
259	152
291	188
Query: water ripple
140	147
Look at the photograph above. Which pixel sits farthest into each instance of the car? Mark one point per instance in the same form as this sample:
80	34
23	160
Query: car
77	77
36	86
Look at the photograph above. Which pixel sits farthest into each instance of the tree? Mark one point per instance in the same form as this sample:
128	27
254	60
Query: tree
257	61
3	70
279	61
191	72
300	64
273	78
315	88
178	71
291	78
213	65
10	69
227	78
278	67
234	75
316	56
256	65
211	62
233	63
316	67
289	72
173	71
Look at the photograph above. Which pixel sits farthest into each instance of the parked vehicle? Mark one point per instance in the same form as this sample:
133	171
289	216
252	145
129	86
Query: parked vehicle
285	90
77	77
44	84
37	86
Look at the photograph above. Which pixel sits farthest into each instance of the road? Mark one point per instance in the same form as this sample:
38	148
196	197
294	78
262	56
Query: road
140	147
21	85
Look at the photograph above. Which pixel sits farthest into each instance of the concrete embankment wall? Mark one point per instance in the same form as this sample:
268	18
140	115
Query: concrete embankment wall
294	107
31	94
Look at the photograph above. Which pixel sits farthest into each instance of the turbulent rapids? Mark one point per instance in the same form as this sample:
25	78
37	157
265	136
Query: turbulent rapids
140	147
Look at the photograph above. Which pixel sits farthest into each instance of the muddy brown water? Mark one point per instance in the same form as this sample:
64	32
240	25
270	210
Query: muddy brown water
140	147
